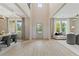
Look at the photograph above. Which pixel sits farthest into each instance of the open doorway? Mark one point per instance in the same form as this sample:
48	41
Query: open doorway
19	28
15	26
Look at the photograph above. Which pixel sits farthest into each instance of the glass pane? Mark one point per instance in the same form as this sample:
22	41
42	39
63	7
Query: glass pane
39	31
19	28
64	26
39	28
57	26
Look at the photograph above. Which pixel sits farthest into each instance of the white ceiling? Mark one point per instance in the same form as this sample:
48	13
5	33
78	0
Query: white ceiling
25	9
5	12
22	9
53	8
14	10
69	10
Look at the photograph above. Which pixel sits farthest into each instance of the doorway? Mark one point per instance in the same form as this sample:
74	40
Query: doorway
19	28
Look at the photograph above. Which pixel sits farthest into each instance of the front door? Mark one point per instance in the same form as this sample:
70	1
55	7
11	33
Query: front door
39	31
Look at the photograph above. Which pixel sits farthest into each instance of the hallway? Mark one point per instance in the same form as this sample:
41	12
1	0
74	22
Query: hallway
38	48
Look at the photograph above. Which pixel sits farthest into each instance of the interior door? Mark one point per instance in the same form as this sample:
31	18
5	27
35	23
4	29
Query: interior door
39	31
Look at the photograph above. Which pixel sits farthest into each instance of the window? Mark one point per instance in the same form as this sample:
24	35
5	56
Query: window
57	26
60	25
39	28
39	5
64	26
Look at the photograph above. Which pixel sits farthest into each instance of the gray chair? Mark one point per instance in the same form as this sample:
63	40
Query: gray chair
14	37
0	43
71	39
77	39
6	40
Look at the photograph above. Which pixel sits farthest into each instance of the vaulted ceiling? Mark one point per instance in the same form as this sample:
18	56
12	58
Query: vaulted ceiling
69	10
60	10
14	10
54	8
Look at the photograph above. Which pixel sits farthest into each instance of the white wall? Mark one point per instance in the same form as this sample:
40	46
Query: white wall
3	25
75	23
11	26
40	15
77	26
27	28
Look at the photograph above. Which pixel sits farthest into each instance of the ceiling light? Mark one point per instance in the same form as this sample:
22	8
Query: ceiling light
39	5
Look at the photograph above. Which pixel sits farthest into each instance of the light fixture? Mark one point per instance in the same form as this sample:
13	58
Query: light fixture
73	27
39	5
75	19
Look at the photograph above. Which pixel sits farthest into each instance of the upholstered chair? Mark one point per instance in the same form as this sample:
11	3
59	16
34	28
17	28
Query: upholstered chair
71	39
